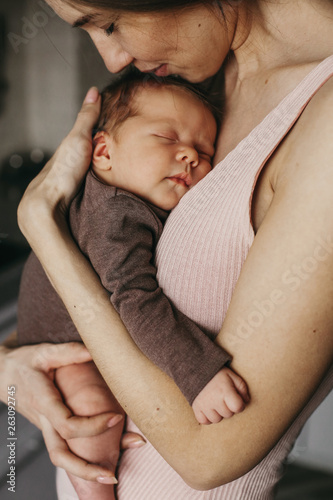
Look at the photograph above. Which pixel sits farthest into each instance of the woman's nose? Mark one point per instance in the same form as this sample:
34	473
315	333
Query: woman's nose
189	156
114	57
117	61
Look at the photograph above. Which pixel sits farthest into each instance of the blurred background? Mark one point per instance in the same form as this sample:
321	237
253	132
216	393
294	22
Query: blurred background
46	68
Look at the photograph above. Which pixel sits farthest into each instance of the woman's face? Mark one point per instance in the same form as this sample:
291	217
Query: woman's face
191	43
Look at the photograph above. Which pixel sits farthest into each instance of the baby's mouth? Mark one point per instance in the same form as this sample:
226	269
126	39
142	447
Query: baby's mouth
183	178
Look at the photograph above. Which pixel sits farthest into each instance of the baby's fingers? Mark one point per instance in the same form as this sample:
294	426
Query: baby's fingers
234	402
240	385
61	456
201	417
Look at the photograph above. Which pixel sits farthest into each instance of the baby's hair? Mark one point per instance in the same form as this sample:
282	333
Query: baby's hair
118	97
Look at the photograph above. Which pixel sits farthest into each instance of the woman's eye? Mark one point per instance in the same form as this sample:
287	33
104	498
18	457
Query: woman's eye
110	29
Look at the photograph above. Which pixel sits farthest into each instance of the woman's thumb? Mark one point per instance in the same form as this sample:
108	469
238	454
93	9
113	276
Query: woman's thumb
92	96
89	112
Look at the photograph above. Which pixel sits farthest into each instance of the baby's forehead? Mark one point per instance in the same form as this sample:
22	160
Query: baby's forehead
164	92
175	109
167	101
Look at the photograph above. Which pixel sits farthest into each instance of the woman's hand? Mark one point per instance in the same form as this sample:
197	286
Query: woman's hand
31	370
60	179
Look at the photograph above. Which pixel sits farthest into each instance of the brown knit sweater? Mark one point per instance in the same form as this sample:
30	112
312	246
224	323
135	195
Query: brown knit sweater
118	233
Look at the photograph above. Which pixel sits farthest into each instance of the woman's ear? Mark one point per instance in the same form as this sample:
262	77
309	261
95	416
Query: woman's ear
101	155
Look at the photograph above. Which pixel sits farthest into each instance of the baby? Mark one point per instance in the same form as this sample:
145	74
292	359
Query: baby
155	141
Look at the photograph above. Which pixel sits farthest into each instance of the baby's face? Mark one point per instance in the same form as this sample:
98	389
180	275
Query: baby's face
165	149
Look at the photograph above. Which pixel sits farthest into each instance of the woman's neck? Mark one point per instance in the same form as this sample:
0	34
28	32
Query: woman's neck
271	55
282	34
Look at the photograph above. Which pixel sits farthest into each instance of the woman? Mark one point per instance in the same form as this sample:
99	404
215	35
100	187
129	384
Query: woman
268	200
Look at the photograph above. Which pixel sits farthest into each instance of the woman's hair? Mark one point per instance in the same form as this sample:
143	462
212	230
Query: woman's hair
118	102
141	5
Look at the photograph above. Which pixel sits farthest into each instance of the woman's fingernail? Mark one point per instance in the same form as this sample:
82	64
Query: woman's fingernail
92	96
136	443
115	420
107	480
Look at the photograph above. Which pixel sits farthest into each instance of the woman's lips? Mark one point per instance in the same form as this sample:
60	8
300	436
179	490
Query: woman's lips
161	70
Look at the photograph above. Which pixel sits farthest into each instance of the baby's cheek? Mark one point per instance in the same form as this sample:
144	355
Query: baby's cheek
205	170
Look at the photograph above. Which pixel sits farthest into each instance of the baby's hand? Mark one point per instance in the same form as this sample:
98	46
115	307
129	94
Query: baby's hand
225	395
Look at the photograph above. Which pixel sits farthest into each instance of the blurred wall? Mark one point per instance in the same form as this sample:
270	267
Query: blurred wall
49	67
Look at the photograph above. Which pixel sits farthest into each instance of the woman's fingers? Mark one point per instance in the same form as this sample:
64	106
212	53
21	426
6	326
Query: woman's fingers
70	426
89	113
47	357
131	440
59	181
32	369
61	456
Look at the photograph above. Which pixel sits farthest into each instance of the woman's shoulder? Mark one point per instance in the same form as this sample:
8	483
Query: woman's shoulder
317	118
309	147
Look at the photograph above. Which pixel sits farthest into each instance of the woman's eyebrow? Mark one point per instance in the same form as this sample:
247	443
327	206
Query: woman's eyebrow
83	20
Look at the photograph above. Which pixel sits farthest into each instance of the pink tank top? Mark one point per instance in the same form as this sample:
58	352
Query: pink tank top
200	254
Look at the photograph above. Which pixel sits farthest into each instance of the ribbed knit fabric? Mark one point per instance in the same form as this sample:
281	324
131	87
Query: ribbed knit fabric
199	257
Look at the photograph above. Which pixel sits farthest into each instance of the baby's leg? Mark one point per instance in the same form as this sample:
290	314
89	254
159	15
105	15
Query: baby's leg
86	394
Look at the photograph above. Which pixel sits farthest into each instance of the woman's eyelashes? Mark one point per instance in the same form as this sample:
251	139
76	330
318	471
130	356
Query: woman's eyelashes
110	29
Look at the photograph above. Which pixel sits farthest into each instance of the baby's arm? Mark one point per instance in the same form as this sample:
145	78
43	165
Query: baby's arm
121	251
86	393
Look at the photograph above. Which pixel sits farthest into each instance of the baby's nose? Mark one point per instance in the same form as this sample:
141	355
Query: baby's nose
189	156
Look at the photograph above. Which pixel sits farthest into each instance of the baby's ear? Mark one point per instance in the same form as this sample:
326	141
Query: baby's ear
101	155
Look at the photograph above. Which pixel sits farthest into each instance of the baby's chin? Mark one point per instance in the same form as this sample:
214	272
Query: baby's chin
169	203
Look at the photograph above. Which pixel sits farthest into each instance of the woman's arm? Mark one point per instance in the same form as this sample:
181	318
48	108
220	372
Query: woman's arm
283	358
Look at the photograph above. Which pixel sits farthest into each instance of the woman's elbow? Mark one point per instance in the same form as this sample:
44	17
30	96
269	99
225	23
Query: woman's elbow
204	477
